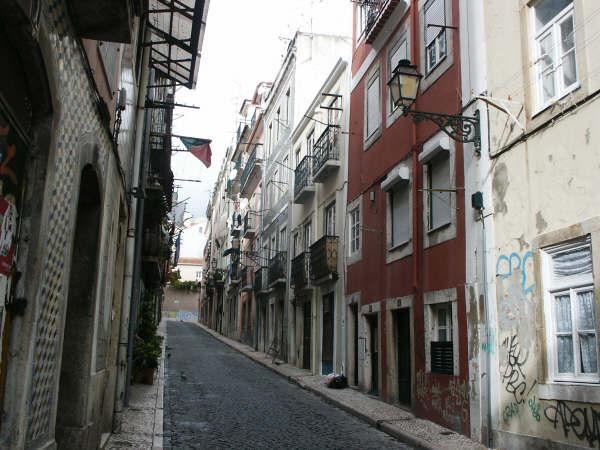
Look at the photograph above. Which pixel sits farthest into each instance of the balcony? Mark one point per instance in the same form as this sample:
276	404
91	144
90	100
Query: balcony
252	172
219	277
375	13
250	225
326	157
303	183
246	280
301	271
232	189
324	259
103	20
234	274
277	269
260	279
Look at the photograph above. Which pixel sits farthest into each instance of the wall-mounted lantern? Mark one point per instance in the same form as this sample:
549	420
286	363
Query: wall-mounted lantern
404	88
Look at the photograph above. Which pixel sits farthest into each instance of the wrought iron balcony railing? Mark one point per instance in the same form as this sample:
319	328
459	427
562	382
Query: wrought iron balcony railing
324	259
374	14
250	224
259	279
303	182
326	153
301	271
251	173
277	266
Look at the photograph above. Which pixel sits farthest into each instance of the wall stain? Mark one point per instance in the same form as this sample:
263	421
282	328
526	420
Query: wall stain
540	223
500	185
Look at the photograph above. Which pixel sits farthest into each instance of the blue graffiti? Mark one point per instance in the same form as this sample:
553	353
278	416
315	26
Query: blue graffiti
507	265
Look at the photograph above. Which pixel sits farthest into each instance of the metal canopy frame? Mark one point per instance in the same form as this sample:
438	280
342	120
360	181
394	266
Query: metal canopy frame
176	28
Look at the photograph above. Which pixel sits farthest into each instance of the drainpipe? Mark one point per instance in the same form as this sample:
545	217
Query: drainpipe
488	325
123	351
139	238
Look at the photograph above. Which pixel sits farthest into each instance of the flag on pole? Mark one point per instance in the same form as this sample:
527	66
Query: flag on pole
198	147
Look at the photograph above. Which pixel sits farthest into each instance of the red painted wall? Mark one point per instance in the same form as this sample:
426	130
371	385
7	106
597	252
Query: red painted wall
439	267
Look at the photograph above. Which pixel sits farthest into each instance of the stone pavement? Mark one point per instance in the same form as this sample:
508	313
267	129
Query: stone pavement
397	422
217	398
142	425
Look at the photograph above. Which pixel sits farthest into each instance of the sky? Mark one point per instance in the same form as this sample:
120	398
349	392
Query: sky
244	44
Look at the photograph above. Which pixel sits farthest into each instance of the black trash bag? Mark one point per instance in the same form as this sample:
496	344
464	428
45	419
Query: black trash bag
337	382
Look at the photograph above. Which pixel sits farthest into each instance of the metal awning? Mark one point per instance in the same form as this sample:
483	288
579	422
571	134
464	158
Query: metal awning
177	31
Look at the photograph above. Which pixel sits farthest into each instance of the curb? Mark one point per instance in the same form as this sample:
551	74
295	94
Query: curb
381	425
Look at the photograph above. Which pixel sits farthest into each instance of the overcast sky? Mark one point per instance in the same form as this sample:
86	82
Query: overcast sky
244	44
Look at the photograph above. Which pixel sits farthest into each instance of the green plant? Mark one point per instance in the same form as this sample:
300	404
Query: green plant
147	345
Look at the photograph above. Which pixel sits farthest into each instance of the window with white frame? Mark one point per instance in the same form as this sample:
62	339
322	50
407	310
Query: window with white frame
570	311
310	142
307	238
441	345
373	106
438	191
434	33
286	116
295	245
397	53
399	214
283	239
297	154
276	188
329	222
555	54
354	230
277	125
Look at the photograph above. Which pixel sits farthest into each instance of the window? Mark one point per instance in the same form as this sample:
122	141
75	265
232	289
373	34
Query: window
275	187
354	230
273	246
198	276
442	354
373	106
438	191
554	56
329	222
435	36
284	174
283	239
307	236
286	115
570	311
310	142
399	209
277	124
295	246
297	157
396	54
270	139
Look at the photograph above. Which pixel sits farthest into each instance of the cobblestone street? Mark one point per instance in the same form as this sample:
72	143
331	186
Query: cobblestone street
217	398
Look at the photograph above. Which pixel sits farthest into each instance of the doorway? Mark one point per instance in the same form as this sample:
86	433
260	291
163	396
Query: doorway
327	343
353	340
404	353
306	335
372	321
76	363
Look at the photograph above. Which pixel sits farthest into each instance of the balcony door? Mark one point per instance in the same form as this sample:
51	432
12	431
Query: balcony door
329	220
403	348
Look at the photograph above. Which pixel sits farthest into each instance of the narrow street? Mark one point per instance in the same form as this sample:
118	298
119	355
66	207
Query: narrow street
218	398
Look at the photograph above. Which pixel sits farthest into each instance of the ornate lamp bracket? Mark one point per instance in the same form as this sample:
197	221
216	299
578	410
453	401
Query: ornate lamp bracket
464	129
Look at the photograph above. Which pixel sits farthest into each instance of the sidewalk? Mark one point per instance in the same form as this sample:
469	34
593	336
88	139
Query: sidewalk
394	421
142	426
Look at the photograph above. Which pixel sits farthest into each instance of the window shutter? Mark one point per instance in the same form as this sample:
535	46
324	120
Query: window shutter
398	54
440	196
434	15
373	106
573	262
442	357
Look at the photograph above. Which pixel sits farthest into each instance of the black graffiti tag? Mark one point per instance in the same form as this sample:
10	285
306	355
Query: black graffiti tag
583	422
513	375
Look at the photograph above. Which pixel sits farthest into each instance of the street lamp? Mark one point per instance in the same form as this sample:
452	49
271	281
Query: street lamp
404	88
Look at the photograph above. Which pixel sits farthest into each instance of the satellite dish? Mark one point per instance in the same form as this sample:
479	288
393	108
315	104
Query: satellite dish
233	174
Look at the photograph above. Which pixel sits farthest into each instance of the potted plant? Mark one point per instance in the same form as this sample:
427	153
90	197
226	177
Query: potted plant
147	346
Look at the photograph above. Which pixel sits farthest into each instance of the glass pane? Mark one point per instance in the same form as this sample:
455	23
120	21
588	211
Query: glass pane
431	56
439	174
567	36
547	51
400	222
589	358
546	10
576	261
441	317
563	313
587	316
442	335
569	70
442	44
564	346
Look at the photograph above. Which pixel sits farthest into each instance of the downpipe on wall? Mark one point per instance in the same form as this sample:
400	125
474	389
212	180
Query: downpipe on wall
122	392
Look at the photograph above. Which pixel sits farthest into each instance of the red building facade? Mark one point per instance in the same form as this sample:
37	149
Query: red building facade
406	316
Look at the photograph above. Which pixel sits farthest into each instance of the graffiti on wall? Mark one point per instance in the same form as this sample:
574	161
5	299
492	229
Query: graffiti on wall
451	402
582	422
506	266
